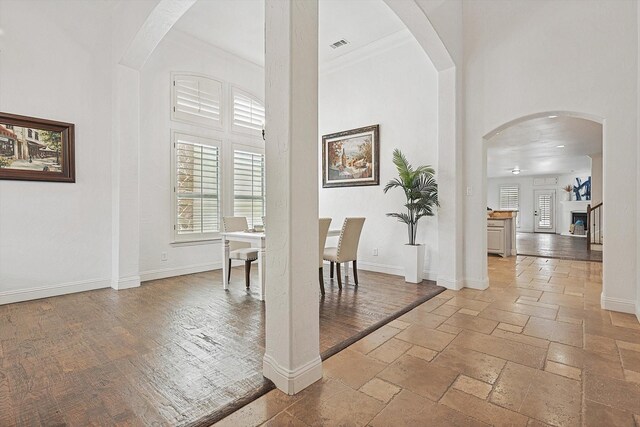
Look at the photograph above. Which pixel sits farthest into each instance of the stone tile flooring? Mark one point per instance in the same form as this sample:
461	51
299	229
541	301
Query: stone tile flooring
534	349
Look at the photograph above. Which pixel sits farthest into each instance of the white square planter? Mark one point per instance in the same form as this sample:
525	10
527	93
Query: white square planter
413	257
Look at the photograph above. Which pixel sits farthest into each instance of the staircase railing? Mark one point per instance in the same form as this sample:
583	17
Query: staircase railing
594	225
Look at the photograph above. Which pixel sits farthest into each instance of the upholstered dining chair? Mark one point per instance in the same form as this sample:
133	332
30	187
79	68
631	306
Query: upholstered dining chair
240	250
347	249
324	229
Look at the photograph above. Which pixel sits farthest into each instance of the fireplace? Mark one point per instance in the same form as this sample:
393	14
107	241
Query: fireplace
579	216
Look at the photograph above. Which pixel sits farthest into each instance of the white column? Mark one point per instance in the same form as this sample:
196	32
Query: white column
449	181
292	359
125	171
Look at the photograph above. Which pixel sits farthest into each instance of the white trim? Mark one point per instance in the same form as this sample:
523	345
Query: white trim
381	268
8	297
196	242
480	285
292	381
638	311
618	304
163	273
126	283
393	270
454	285
430	275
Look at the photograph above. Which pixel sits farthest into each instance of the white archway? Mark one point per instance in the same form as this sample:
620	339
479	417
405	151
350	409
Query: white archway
515	121
157	23
577	115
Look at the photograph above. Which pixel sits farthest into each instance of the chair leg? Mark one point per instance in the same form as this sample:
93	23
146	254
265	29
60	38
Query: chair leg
339	275
355	272
321	277
331	269
247	273
229	270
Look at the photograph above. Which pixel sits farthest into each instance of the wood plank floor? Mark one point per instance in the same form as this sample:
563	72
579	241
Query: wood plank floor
555	246
171	352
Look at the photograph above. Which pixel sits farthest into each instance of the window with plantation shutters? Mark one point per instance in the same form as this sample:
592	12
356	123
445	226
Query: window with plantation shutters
509	195
544	213
196	99
248	112
196	162
248	186
510	199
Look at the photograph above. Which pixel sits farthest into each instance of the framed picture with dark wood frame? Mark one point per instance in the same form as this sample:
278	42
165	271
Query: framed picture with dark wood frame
34	149
351	158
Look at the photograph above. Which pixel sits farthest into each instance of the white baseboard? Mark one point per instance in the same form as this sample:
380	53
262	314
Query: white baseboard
292	381
430	275
618	304
480	285
123	283
392	269
452	284
8	297
163	273
638	311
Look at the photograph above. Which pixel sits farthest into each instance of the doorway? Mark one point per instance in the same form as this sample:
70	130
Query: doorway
544	220
543	160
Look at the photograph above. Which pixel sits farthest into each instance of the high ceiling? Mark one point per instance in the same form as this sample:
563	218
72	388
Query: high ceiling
533	147
237	26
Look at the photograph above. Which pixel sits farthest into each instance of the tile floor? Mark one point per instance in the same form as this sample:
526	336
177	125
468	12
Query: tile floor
534	349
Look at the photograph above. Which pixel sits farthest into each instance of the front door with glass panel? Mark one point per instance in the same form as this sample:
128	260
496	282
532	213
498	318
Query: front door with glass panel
544	220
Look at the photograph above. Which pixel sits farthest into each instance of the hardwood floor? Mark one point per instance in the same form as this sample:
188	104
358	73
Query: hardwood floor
555	246
171	352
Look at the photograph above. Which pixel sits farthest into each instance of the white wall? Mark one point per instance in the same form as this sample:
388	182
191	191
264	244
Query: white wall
526	195
596	178
638	169
396	88
524	57
182	53
55	64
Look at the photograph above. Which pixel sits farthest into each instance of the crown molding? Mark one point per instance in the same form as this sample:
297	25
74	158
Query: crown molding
367	51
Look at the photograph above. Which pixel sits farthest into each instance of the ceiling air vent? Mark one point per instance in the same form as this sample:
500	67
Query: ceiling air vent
338	44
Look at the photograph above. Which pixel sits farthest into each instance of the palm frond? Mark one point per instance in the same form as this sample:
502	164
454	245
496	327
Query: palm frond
402	217
394	183
420	189
405	171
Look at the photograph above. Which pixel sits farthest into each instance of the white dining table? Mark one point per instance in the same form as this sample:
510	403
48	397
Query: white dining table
256	240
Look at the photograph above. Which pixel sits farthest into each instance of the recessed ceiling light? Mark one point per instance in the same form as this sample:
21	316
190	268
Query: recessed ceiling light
515	171
559	146
552	117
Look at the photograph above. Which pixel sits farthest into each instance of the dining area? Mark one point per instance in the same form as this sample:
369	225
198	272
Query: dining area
246	245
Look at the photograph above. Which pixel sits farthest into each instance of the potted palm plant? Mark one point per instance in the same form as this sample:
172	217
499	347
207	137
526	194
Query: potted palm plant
421	192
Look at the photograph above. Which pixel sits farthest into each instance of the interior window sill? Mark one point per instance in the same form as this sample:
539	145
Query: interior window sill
198	242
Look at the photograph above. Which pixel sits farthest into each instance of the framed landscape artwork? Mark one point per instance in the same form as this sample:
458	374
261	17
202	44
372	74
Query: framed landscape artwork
36	149
351	158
